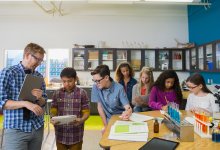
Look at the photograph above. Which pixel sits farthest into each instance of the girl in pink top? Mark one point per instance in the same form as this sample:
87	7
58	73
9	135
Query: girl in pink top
166	89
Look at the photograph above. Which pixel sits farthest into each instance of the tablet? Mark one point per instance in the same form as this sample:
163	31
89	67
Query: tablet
158	143
64	119
30	82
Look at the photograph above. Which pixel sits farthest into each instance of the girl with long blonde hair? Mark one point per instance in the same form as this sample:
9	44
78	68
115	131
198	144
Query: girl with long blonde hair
141	90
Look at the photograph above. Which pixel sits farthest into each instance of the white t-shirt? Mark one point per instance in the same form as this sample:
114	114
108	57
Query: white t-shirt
206	102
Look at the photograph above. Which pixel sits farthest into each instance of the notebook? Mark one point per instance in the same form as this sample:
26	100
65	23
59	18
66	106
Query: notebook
158	143
30	82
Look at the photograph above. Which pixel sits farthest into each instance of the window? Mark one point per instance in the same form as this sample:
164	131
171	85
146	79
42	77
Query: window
57	60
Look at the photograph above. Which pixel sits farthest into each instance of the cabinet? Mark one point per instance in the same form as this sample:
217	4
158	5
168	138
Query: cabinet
204	57
187	59
158	59
93	106
217	55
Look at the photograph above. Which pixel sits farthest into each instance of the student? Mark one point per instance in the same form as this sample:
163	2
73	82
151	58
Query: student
124	75
70	100
23	120
166	89
141	90
200	98
109	95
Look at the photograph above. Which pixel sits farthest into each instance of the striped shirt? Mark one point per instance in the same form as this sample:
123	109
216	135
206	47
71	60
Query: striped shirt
11	80
70	103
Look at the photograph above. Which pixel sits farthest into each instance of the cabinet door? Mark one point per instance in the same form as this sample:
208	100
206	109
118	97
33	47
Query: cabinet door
209	57
193	59
121	56
107	58
79	59
93	59
201	57
93	106
149	59
217	56
163	60
187	59
136	59
177	60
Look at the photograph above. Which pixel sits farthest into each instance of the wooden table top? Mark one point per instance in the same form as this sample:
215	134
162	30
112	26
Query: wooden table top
199	143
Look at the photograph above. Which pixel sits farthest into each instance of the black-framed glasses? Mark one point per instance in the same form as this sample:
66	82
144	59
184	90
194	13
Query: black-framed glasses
97	81
192	87
37	59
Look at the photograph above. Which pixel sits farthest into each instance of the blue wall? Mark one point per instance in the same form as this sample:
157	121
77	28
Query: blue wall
208	75
204	24
204	27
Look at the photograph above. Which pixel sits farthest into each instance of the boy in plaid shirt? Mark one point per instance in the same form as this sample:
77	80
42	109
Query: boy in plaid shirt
70	100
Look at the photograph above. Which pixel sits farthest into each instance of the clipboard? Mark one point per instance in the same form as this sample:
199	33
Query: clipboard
30	82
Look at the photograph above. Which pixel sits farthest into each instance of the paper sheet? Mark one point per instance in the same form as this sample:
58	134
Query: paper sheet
190	120
128	130
139	117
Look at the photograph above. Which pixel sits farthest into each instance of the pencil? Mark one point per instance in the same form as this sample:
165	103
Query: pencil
166	99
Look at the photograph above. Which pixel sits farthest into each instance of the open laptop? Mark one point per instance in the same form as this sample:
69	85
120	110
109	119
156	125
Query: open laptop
30	82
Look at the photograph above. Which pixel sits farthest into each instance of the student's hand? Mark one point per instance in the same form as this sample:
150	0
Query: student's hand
103	130
77	122
54	122
37	93
126	114
198	109
36	109
164	108
139	100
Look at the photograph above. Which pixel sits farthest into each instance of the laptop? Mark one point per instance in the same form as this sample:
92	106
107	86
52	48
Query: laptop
30	82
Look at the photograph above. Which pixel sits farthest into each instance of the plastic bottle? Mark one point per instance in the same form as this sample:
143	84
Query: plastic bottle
156	126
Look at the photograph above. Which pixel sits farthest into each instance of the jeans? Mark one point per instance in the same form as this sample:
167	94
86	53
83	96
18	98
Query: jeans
15	139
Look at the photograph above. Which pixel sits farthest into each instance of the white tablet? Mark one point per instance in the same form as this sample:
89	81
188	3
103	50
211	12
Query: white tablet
64	119
30	82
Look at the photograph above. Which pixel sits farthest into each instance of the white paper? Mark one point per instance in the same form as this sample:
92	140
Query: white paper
162	112
190	120
139	117
64	119
134	127
129	137
138	131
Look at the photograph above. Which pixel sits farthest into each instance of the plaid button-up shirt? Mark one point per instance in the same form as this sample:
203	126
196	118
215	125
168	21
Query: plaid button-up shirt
11	80
70	103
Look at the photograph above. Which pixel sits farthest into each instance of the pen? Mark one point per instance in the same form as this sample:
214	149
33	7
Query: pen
166	99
